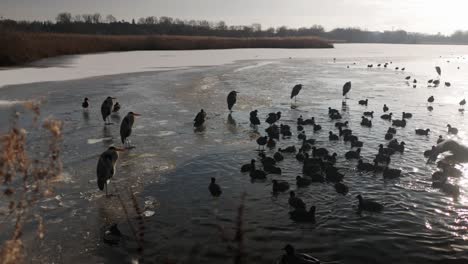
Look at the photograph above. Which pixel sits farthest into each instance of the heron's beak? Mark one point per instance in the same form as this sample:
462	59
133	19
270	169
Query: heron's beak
135	114
119	149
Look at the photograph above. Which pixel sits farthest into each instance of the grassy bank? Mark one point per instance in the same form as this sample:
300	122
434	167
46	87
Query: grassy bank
18	48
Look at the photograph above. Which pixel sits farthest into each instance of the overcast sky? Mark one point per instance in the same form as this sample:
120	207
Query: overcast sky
428	16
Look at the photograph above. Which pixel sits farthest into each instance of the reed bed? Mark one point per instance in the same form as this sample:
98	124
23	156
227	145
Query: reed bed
20	47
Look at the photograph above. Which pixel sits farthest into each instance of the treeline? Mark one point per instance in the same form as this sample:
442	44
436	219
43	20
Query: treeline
109	25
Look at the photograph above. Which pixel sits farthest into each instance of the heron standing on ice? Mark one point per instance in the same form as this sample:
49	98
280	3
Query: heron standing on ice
295	91
346	88
106	166
106	109
126	128
231	99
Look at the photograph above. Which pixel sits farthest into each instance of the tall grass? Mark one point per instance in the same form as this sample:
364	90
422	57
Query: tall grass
19	47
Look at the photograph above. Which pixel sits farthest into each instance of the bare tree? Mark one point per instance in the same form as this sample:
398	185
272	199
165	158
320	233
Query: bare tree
88	18
96	18
64	18
110	19
78	18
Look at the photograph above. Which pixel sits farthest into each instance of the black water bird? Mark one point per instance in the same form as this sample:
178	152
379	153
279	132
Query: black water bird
388	136
364	102
422	132
400	147
294	201
126	128
341	188
254	118
302	215
332	136
106	166
438	70
280	186
387	116
290	149
346	88
295	91
363	166
273	117
106	109
231	99
391	130
248	167
368	205
386	151
278	157
353	154
448	84
440	139
462	103
430	99
436	82
214	188
303	181
385	108
452	130
340	124
271	143
85	103
116	107
399	123
407	77
391	173
406	115
319	152
262	141
366	122
199	119
317	127
371	114
291	257
355	143
257	174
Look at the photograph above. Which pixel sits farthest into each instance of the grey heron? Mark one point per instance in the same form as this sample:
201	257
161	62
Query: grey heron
126	128
106	166
346	88
106	109
231	99
295	91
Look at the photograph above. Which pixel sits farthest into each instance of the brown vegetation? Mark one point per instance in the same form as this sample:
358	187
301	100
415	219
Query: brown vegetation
19	48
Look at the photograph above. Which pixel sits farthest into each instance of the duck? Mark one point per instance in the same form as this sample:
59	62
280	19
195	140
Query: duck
272	169
319	152
303	181
278	157
363	102
317	127
387	116
355	143
364	166
415	81
273	131
280	186
407	77
341	188
406	115
371	114
382	158
214	188
448	84
391	173
257	174
301	135
271	144
305	147
254	118
366	122
266	161
273	117
368	205
429	152
430	99
386	151
262	141
300	128
385	108
85	103
295	202
331	158
440	139
248	167
350	138
353	154
388	136
391	130
300	156
310	121
300	121
422	132
333	175
291	257
335	116
290	149
341	124
400	147
344	131
399	123
452	130
302	215
332	136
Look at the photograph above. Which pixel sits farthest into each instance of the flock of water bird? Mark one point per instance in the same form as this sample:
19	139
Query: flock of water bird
318	163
